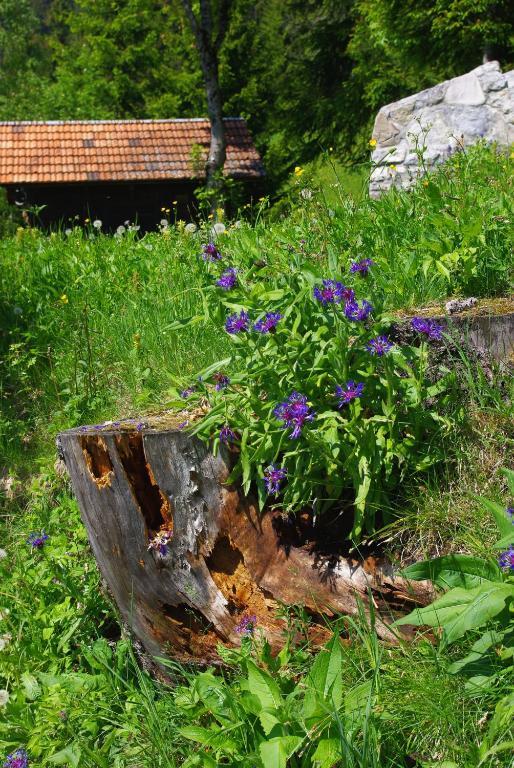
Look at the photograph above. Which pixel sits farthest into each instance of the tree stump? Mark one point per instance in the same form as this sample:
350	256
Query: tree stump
225	561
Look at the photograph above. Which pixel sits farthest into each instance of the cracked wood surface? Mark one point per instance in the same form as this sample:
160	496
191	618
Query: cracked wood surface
224	560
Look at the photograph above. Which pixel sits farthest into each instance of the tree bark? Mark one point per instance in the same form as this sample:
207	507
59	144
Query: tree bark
224	562
208	42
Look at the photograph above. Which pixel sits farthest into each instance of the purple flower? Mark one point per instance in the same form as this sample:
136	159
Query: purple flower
18	759
210	252
160	542
183	424
331	292
37	540
379	346
294	412
348	392
268	323
228	279
222	381
227	435
506	559
247	625
429	327
236	323
510	512
273	476
187	392
353	311
361	266
140	426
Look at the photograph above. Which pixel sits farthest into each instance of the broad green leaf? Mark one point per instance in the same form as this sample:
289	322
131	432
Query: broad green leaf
276	752
460	610
70	755
506	541
31	686
454	571
327	754
499	513
357	698
509	474
324	681
263	686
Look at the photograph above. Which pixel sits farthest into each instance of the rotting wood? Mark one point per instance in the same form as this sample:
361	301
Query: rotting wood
224	560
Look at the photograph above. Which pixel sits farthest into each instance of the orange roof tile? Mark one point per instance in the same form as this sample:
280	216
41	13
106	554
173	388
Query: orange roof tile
119	150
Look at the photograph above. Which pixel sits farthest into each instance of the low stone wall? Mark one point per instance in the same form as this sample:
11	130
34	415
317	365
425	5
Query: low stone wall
459	112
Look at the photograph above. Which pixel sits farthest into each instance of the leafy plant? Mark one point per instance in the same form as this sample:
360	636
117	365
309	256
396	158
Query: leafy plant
480	595
321	403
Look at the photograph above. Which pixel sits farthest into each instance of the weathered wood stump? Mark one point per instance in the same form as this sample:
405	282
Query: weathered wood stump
224	561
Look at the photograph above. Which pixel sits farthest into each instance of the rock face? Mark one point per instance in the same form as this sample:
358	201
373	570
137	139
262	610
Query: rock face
443	119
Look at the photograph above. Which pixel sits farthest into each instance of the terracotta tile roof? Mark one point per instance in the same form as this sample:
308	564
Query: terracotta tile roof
119	150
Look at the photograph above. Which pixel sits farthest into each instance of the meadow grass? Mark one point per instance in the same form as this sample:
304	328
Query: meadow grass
85	337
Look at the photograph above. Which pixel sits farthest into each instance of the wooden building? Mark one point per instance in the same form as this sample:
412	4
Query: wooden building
116	170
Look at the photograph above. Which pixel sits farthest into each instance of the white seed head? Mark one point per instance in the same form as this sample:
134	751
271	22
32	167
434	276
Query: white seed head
4	697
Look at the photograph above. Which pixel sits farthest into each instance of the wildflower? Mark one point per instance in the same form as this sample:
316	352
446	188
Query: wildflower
306	193
140	426
164	223
392	167
222	381
18	759
268	323
332	292
4	697
273	476
63	299
37	540
348	392
183	424
237	322
294	412
160	542
228	279
120	230
298	171
506	559
247	625
361	266
97	224
372	143
426	183
379	346
227	435
210	252
429	327
510	512
3	554
353	311
187	392
218	228
190	228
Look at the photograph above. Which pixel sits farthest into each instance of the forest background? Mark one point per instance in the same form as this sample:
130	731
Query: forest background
308	75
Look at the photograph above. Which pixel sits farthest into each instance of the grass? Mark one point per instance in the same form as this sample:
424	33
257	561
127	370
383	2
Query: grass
84	337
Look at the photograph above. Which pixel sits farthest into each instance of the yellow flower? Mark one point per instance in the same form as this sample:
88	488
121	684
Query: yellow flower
136	340
331	149
210	216
220	213
512	155
298	171
372	143
86	221
425	183
63	299
262	199
174	202
392	167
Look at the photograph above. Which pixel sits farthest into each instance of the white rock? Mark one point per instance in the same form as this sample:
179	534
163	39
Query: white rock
465	90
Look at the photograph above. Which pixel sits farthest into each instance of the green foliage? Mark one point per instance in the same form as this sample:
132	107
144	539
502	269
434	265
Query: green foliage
484	598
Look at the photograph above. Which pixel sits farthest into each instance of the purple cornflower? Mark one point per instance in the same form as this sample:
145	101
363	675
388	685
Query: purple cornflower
361	266
510	512
379	346
187	392
210	252
18	759
331	292
268	323
429	327
228	279
354	312
348	392
247	625
294	412
222	381
160	542
183	424
37	540
140	426
227	435
273	476
506	559
236	323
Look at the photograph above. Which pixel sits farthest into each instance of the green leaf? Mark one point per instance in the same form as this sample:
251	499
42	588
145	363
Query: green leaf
460	610
263	686
178	325
31	686
499	513
327	754
70	755
276	752
324	681
454	571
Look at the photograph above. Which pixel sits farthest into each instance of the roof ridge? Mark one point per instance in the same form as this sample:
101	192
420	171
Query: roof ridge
115	121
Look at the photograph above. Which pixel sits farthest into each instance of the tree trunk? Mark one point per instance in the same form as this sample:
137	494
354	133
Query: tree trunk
224	561
208	47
